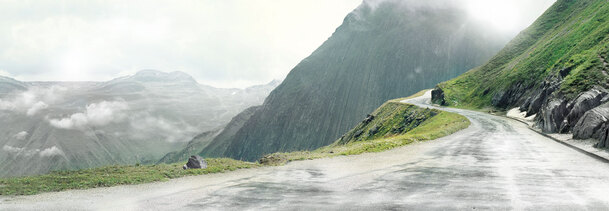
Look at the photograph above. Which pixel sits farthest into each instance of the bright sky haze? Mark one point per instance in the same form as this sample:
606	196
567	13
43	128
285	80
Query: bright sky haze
223	43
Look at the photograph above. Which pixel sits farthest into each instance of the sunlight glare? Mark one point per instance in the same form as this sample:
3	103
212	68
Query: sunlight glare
500	14
74	65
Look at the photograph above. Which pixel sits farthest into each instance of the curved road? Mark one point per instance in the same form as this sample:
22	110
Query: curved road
496	163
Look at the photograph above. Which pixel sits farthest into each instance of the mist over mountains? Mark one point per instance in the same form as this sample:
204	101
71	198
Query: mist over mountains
139	118
383	50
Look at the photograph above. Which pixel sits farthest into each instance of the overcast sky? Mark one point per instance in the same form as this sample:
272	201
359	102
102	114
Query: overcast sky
224	43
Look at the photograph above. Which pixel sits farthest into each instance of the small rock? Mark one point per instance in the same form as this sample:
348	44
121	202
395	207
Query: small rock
195	162
374	130
273	160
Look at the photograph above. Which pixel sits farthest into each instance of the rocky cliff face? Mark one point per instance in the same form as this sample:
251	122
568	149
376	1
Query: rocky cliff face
383	50
556	69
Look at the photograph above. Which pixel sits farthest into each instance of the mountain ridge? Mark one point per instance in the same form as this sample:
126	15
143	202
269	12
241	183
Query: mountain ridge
363	64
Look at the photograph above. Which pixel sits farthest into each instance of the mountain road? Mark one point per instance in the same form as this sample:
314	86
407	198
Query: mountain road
496	164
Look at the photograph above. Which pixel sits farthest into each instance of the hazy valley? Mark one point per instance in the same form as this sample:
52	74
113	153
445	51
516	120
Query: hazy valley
133	119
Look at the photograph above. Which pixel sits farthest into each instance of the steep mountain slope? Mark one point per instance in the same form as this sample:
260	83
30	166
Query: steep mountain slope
556	69
193	147
383	50
214	141
48	126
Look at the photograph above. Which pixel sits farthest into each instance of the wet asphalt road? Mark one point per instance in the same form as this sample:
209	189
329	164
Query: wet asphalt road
495	164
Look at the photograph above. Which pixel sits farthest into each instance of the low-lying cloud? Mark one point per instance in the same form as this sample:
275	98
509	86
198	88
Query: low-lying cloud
21	135
32	101
145	126
22	151
50	152
96	114
140	125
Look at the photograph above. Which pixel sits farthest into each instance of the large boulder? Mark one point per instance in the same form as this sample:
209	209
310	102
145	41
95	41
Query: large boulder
591	123
552	115
581	104
195	162
437	96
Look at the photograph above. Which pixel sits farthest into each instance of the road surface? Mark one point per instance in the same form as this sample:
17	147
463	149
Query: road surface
497	164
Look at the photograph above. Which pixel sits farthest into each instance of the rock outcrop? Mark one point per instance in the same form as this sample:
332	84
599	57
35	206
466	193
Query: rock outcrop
437	96
195	162
505	98
552	115
583	103
591	122
534	104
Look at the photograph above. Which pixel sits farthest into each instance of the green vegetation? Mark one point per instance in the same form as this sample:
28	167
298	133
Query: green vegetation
434	126
391	119
571	35
111	176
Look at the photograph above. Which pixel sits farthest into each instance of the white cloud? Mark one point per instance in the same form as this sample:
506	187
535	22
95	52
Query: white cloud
4	73
33	100
11	149
21	135
96	114
242	43
144	127
19	151
36	108
50	152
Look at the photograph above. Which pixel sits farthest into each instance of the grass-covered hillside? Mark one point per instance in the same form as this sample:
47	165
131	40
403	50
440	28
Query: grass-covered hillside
557	69
567	44
111	176
392	125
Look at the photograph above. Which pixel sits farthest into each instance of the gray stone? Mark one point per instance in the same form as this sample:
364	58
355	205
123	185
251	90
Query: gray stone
552	115
589	125
374	130
510	96
437	96
195	162
584	102
533	105
603	141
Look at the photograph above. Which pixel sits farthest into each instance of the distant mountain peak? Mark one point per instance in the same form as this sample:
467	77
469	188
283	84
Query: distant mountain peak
159	76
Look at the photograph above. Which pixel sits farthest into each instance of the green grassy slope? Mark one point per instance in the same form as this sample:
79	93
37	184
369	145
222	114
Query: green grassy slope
570	37
398	124
111	176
